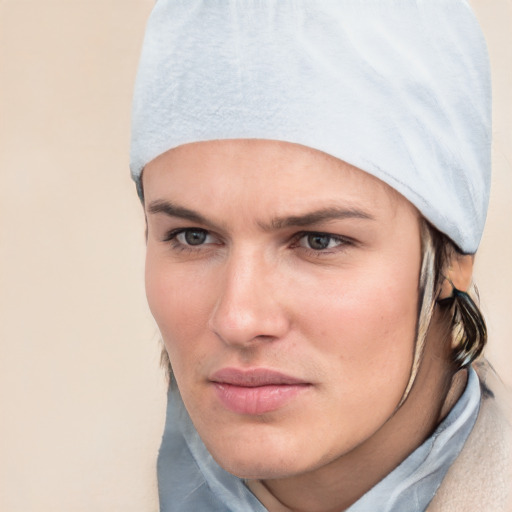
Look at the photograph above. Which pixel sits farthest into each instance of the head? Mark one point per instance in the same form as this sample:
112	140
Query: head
254	261
306	244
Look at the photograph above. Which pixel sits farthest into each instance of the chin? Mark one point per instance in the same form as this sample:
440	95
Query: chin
256	468
262	455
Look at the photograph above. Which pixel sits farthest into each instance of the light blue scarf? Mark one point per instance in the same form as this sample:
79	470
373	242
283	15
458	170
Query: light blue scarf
189	480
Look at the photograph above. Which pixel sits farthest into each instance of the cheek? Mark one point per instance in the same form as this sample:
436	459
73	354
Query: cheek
360	301
364	325
178	302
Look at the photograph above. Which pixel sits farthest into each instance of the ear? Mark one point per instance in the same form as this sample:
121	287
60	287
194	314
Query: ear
458	274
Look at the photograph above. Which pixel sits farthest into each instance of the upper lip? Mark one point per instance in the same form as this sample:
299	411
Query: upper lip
254	377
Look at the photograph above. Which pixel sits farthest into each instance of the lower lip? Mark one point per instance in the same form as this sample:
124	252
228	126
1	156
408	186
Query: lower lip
257	400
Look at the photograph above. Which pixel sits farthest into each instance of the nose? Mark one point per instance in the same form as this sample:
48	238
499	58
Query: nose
248	307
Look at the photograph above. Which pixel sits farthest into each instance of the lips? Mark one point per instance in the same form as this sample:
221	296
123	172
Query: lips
256	391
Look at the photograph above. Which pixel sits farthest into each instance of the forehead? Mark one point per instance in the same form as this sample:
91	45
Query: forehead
279	173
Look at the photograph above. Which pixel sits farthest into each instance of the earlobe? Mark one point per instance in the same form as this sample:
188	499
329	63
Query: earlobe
458	274
469	332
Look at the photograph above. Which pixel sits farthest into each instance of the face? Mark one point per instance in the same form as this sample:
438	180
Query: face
285	286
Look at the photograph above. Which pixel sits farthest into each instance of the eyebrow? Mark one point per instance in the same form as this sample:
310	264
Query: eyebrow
314	217
173	210
310	218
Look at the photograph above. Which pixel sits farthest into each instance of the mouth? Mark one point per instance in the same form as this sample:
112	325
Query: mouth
255	391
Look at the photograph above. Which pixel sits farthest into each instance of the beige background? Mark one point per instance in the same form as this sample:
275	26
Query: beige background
81	393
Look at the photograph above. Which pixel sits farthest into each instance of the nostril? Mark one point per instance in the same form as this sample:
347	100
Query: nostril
256	323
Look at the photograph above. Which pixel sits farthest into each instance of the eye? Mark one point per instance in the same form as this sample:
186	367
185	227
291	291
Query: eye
192	236
320	241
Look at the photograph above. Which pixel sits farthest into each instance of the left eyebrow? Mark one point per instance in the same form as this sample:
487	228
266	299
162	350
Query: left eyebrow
173	210
310	218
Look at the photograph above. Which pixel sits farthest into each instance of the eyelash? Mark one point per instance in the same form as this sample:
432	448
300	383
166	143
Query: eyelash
342	242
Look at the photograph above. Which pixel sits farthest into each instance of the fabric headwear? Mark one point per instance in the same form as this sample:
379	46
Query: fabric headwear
398	88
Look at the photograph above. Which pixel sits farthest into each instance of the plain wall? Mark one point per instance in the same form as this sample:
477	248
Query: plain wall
81	392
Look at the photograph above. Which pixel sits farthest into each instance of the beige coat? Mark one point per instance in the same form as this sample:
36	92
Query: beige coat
480	480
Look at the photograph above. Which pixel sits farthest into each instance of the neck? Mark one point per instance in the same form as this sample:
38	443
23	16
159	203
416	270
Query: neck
338	484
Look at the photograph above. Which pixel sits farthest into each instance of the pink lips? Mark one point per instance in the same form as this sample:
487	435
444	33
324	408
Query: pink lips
255	391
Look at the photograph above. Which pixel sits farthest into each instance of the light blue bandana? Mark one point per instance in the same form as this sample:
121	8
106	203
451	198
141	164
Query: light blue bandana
399	88
190	480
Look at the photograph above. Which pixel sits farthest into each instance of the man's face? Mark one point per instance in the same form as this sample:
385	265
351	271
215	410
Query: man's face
285	286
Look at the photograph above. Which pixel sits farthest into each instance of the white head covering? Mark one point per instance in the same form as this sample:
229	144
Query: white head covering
398	88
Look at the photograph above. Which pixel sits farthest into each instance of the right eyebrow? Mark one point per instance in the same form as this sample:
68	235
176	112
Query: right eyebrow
172	210
315	217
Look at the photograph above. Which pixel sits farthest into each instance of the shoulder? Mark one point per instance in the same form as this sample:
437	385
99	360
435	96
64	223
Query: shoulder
481	477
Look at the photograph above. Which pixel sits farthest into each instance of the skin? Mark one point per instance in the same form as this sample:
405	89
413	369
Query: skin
256	293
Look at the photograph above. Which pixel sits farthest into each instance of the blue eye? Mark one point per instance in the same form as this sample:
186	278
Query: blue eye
192	236
320	241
